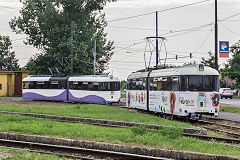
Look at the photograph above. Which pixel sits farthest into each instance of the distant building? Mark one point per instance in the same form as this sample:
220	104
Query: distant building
11	83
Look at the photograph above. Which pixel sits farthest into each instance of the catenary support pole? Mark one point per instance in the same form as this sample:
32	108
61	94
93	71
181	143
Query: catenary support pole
94	55
157	40
216	37
71	48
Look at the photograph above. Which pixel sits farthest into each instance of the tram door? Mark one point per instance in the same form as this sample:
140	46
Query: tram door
202	102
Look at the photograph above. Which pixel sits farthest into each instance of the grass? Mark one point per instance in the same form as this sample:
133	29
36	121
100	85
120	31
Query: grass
95	111
25	155
168	138
231	109
236	97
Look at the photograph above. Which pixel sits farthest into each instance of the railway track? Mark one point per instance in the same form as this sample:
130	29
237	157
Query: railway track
74	152
222	126
99	122
83	149
189	132
228	127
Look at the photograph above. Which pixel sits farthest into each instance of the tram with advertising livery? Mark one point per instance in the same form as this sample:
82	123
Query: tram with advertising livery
189	91
98	89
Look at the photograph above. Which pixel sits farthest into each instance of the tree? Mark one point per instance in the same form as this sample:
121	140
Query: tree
210	61
47	23
233	69
8	60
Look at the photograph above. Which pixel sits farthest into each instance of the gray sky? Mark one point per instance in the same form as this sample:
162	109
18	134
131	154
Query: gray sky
129	34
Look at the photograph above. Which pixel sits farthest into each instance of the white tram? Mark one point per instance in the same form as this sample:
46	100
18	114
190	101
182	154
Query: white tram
99	89
184	91
45	87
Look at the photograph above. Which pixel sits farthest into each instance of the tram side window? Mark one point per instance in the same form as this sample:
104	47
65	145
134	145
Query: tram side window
164	84
183	83
95	86
195	83
26	85
63	85
85	85
144	83
114	86
92	86
79	86
211	83
76	85
117	86
40	85
168	83
33	85
139	84
175	83
153	84
54	85
103	86
159	83
132	84
199	83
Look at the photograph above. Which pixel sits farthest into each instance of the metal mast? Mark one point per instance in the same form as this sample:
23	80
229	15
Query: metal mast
216	37
71	48
157	54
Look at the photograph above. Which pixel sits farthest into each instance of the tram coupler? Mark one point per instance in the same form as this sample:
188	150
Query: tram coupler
195	116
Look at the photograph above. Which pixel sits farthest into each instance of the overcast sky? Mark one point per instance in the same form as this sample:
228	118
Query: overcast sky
129	34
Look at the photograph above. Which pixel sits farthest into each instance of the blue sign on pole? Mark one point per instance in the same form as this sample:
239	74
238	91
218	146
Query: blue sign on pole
224	49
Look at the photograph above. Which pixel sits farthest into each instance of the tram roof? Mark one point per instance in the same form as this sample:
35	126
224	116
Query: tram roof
185	70
94	78
37	78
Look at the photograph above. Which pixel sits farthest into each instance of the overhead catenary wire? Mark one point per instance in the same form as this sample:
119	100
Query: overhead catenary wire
230	29
133	45
151	53
234	20
148	29
9	7
131	50
134	28
226	18
197	28
187	31
219	20
145	55
205	40
172	8
166	53
160	48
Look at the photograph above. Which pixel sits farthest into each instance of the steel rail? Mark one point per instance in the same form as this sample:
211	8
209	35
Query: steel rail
212	126
75	152
119	124
231	134
219	139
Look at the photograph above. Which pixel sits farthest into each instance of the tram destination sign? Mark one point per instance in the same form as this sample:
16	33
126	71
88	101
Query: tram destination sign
224	49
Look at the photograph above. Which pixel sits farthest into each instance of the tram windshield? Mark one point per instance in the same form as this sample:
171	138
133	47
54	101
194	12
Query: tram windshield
199	83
